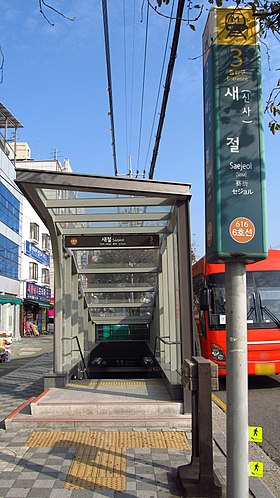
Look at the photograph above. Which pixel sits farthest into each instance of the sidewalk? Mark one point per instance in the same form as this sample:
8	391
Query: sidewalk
107	463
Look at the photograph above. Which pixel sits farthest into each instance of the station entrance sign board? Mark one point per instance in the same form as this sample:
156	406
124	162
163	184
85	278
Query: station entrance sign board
235	192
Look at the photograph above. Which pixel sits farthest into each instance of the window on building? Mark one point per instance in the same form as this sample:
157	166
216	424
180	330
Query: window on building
45	242
9	209
33	271
9	258
45	277
34	232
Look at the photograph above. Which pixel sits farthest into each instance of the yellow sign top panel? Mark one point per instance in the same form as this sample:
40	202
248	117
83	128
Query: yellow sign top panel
235	27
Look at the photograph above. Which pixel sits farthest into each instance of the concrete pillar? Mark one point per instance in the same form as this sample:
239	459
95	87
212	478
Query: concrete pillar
161	311
16	331
165	293
59	304
172	301
67	342
75	316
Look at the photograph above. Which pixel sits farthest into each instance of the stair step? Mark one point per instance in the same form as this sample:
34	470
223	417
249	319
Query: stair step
102	405
84	409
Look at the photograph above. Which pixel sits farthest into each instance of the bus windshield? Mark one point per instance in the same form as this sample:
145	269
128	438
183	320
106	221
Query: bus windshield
263	299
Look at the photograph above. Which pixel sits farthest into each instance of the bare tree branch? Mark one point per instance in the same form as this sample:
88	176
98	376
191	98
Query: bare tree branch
2	65
273	108
187	20
43	4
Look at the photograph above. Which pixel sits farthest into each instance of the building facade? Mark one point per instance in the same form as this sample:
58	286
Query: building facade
35	272
37	275
10	234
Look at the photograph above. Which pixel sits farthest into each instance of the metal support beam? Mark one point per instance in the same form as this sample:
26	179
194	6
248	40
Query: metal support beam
67	344
185	289
237	381
172	300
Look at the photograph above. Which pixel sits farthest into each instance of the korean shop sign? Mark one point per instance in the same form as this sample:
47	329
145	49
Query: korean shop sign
233	135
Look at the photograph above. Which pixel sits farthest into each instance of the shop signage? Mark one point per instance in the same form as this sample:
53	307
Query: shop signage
38	293
233	130
36	253
118	241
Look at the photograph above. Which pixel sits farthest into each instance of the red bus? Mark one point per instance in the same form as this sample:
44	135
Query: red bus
263	313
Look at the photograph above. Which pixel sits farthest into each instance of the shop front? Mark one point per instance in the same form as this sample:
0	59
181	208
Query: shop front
36	307
9	314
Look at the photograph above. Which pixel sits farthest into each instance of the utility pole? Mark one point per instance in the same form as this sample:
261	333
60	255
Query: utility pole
237	381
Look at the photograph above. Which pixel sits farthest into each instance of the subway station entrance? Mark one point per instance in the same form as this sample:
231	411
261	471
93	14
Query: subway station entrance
122	268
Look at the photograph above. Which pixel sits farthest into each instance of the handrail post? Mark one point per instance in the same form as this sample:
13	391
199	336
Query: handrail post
82	356
80	351
162	339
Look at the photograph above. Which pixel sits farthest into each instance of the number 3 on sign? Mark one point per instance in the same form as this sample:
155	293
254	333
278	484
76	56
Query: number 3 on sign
237	58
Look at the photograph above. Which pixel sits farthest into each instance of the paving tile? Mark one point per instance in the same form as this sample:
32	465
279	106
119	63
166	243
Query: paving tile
23	483
83	493
60	493
146	494
6	483
49	475
55	461
3	491
59	483
146	486
144	469
43	483
17	493
131	485
39	493
26	474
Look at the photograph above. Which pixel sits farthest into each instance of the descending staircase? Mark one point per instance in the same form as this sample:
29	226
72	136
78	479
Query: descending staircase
102	404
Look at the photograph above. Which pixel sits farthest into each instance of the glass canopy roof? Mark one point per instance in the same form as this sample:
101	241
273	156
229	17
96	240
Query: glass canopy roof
114	229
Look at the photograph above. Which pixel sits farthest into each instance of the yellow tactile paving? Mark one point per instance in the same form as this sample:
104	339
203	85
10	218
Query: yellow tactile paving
100	459
93	383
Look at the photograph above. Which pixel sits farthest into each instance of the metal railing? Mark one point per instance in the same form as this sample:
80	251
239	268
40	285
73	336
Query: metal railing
80	351
164	341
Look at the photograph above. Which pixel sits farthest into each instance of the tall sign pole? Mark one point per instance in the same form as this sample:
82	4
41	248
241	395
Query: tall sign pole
236	231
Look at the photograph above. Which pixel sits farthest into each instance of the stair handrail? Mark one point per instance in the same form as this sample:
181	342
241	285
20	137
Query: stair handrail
80	351
162	339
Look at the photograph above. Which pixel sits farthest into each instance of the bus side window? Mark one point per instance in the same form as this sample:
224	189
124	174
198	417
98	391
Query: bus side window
204	299
198	286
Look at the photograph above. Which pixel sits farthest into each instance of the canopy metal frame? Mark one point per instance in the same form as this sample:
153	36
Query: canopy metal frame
77	205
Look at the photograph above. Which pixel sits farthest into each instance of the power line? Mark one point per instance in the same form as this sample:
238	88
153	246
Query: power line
143	85
125	79
109	78
180	8
132	79
160	82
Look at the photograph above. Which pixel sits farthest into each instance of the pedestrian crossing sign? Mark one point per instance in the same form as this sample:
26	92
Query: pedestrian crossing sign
256	469
256	434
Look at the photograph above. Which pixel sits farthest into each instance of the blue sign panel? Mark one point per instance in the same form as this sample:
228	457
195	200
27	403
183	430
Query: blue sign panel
36	253
37	293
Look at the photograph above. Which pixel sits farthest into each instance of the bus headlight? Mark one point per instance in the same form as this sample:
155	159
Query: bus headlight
217	353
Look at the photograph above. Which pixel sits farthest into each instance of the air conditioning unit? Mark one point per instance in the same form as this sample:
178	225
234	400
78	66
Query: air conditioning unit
34	241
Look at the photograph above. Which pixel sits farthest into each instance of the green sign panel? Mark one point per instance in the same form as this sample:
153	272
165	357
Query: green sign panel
233	131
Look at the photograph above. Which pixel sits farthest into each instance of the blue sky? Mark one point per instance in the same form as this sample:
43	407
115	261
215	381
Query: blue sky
55	84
